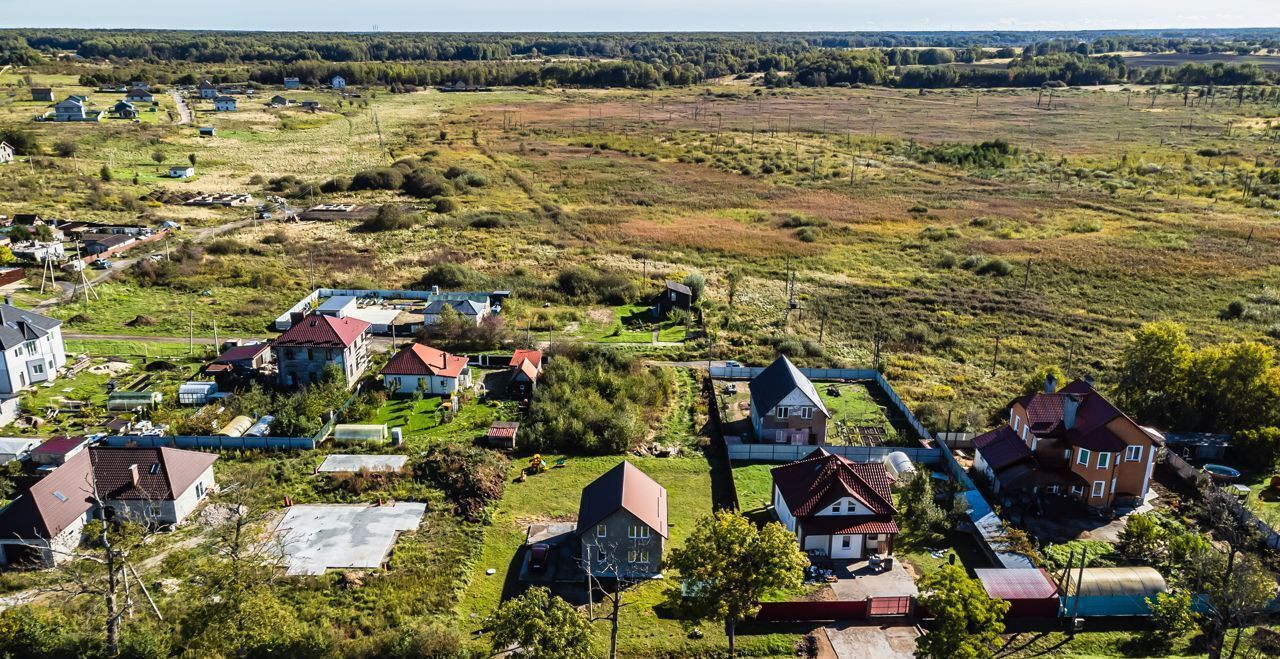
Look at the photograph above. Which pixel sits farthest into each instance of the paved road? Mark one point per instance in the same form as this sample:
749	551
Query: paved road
184	112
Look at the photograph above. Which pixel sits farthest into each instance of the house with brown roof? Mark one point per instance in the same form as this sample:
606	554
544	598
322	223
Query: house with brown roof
315	342
422	368
526	366
836	507
622	524
241	361
1074	443
155	486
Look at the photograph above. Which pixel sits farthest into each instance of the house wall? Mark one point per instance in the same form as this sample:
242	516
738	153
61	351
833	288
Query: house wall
301	365
794	429
617	543
783	511
435	385
33	361
56	551
845	506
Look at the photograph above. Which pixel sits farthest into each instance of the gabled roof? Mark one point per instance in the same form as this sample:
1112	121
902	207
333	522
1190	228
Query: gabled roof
6	145
678	287
225	99
205	84
519	356
52	504
162	473
108	239
323	332
60	445
20	325
1001	447
822	478
419	359
464	307
1045	413
242	353
624	487
776	382
137	93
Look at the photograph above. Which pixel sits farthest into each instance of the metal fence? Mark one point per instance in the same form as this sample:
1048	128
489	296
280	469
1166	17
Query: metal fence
791	453
216	442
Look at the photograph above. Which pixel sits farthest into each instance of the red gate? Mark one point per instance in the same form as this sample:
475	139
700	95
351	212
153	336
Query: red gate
890	606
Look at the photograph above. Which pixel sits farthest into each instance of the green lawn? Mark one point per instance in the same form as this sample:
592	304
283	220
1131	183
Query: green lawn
852	406
754	485
554	495
632	324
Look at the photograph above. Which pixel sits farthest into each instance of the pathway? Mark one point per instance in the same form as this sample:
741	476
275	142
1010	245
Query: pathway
184	112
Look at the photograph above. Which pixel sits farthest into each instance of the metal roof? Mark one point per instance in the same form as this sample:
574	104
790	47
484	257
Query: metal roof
1017	583
776	382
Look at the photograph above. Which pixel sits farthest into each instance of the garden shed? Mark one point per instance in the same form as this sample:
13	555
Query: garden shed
1111	591
1030	592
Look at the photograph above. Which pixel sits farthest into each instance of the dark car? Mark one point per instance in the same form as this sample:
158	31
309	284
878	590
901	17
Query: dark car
539	554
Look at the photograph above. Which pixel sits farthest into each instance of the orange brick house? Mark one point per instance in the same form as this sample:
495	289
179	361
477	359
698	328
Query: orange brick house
1071	442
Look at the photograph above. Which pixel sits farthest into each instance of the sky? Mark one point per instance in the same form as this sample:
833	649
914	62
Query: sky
640	15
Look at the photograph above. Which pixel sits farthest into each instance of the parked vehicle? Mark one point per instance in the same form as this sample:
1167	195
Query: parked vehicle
539	555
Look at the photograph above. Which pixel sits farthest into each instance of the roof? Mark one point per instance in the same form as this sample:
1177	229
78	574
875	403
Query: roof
242	353
776	382
1001	447
207	85
1138	581
323	331
520	356
337	303
108	239
847	525
1045	413
161	473
224	99
421	359
528	370
1017	583
18	325
678	287
820	479
136	92
52	504
504	428
627	488
60	445
464	307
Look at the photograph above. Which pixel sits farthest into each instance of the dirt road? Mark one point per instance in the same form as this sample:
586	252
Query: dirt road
184	112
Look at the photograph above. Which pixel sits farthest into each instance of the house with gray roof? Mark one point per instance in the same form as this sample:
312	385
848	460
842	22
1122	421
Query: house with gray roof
622	524
470	310
32	348
786	408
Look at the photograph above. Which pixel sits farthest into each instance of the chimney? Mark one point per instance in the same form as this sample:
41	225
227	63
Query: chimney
1050	383
1088	379
8	299
133	475
1070	405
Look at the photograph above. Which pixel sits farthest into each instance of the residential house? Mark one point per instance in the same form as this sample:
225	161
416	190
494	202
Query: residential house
139	95
240	362
158	486
16	449
674	296
224	104
526	366
470	310
292	83
6	153
100	243
140	85
423	368
71	109
1078	445
622	524
338	82
208	90
182	171
315	342
32	348
785	406
42	94
836	507
125	110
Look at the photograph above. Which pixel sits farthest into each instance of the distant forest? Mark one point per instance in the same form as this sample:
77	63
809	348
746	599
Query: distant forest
647	60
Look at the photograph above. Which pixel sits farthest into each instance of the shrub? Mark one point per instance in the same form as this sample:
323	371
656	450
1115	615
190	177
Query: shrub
1235	309
23	142
424	184
947	261
470	478
390	218
972	262
383	178
807	234
998	267
604	287
452	275
486	221
444	204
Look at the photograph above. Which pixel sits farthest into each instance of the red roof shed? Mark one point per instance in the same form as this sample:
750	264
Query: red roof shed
1030	592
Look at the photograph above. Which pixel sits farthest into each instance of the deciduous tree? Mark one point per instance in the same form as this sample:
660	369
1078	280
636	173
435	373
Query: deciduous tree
967	622
538	624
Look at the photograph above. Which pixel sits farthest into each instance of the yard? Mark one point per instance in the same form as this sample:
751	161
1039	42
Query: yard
856	418
630	324
645	631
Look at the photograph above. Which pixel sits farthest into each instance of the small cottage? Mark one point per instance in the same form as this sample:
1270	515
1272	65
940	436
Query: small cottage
279	100
338	82
182	171
125	110
292	83
208	131
208	90
674	296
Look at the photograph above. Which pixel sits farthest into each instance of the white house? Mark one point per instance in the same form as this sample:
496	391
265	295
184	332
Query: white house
840	508
6	153
423	368
224	104
339	83
32	348
182	171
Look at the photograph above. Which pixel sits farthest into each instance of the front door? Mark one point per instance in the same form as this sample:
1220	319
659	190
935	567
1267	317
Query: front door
846	546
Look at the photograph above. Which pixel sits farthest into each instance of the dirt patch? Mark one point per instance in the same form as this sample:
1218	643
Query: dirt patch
111	368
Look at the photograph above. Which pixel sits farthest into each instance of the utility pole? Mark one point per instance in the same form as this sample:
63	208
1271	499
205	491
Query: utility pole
191	331
995	356
1026	278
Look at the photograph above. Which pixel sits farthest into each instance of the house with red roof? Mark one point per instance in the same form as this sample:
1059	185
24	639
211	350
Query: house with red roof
836	507
154	486
316	342
1070	442
526	366
420	367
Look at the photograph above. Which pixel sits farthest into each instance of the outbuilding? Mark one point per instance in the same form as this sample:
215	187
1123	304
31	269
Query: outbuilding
1111	591
1030	592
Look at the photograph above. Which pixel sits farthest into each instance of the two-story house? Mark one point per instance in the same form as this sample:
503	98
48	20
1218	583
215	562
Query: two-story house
208	90
785	406
32	348
837	507
224	104
315	342
1077	444
622	524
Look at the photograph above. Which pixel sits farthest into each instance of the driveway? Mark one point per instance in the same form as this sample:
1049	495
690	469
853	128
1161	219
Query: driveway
860	582
184	112
854	641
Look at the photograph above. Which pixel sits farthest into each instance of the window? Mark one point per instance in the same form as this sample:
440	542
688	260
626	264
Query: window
200	490
38	369
155	468
638	532
602	531
1016	423
153	511
846	542
60	496
835	507
635	556
1133	453
806	413
781	412
1082	457
1099	488
1053	489
30	347
1077	490
1104	460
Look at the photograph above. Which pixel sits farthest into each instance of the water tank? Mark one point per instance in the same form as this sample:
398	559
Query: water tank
899	464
